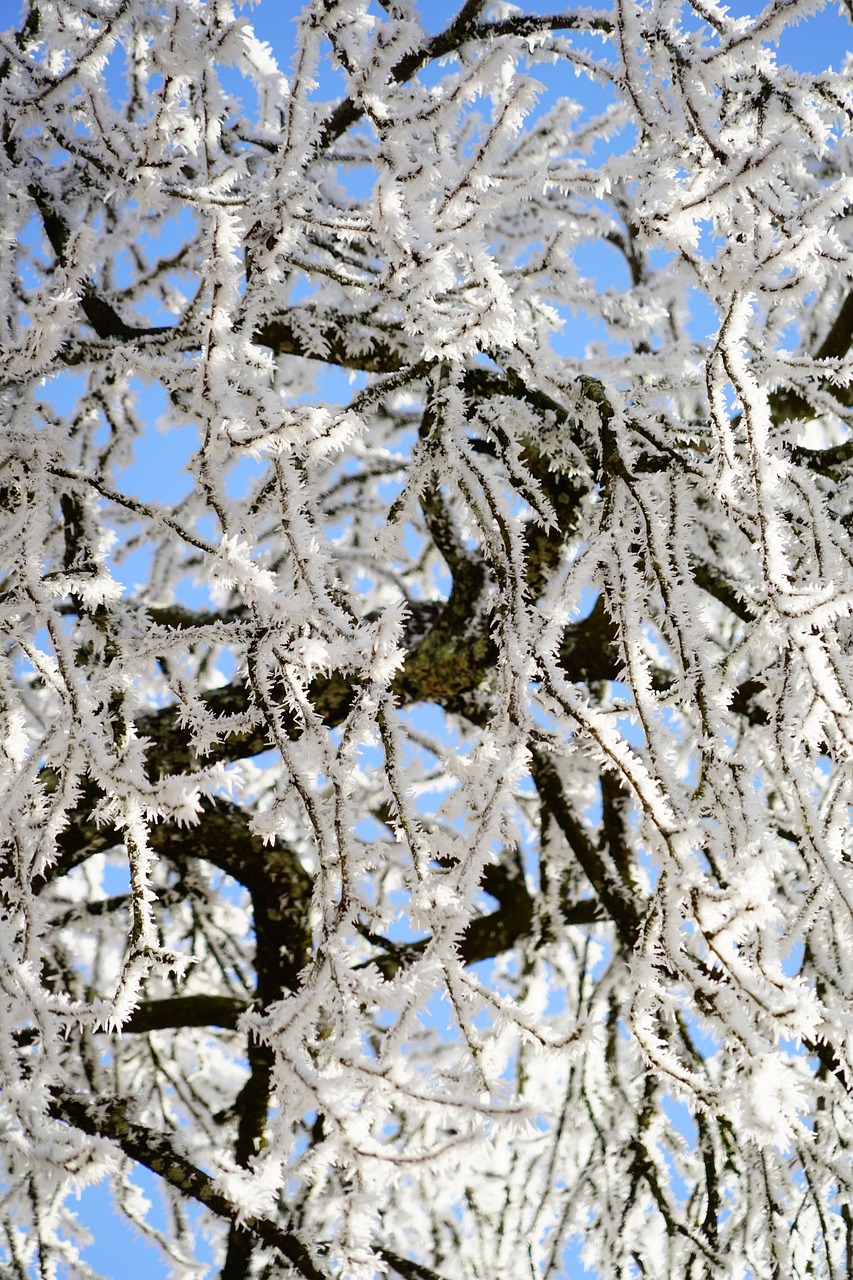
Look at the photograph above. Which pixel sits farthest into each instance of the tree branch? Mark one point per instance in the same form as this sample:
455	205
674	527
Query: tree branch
616	897
186	1011
108	1118
343	340
840	337
461	30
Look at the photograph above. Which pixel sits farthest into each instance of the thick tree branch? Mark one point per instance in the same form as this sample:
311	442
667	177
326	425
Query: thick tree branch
615	895
408	1269
108	1118
342	340
840	337
186	1011
463	29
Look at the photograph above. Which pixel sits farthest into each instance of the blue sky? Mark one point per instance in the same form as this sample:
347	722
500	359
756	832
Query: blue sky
117	1250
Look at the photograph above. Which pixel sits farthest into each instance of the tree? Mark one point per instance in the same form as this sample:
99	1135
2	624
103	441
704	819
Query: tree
477	748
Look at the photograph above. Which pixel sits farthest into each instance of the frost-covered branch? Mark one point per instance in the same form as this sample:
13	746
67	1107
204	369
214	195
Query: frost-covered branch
426	699
108	1119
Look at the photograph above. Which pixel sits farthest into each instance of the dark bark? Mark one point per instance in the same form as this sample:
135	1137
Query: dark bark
451	658
108	1118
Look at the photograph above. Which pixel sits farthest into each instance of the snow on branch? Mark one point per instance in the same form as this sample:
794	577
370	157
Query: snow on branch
426	695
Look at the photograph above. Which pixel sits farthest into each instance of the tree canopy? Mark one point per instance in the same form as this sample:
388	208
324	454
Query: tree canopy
425	840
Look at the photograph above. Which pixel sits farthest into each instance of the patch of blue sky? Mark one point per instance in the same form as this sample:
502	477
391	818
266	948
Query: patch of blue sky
193	587
357	179
158	470
710	243
115	873
240	93
61	390
400	930
582	335
162	240
792	959
131	562
603	265
680	1117
791	1049
436	1015
225	668
527	837
370	830
572	1261
631	730
682	1123
561	78
594	811
370	756
389	489
824	766
116	76
242	476
117	1238
35	256
819	44
22	665
557	999
703	315
431	792
702	1036
127	1250
789	336
603	951
542	718
804	45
